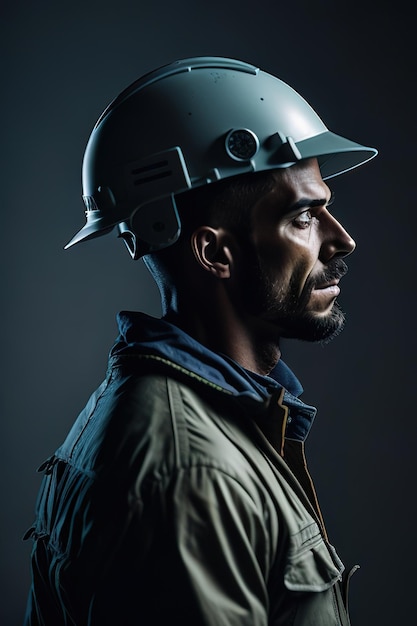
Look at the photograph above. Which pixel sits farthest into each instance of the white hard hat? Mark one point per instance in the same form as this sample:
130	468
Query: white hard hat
192	123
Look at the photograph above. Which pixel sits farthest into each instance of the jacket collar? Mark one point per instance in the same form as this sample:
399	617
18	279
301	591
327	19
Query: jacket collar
142	334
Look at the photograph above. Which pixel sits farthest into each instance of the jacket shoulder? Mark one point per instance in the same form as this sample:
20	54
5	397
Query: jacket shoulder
132	417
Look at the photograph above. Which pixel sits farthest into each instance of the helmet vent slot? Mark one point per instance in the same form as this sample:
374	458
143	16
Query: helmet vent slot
147	173
157	176
149	179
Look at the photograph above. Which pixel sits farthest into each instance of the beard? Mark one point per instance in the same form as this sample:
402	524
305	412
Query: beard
287	308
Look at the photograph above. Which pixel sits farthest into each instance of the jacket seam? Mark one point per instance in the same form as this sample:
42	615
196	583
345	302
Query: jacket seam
171	365
91	412
174	413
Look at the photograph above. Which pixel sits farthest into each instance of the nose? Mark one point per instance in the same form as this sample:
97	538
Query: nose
336	240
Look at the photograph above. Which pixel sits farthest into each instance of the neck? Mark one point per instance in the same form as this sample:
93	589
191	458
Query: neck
219	328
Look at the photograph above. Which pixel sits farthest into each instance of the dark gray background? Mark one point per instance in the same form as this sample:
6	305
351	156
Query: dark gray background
63	62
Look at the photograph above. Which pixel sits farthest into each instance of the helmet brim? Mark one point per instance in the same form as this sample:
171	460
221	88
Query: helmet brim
335	154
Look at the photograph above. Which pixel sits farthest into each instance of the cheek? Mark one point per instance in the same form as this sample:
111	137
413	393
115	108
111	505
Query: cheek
290	266
302	257
300	280
287	256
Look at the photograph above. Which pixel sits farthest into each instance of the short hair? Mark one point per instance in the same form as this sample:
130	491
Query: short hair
226	204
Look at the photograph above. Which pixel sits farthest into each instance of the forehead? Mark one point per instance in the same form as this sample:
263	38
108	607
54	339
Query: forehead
302	180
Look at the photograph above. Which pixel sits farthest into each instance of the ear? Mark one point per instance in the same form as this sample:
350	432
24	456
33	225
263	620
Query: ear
213	250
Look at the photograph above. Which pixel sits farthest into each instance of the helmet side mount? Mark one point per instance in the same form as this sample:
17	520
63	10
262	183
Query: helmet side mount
151	182
155	225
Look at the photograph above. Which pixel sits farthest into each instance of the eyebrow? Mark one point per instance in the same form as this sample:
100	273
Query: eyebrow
303	203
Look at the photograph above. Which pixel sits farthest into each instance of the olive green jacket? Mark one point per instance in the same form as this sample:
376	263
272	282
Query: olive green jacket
172	501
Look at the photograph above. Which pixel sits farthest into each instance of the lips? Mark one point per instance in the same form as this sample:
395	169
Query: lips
329	285
330	290
327	291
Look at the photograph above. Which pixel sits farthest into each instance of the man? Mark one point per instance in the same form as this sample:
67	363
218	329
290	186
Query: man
181	494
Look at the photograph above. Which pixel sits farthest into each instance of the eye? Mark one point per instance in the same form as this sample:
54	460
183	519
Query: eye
303	220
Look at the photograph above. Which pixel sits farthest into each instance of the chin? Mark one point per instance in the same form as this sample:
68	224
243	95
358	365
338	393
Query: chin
314	327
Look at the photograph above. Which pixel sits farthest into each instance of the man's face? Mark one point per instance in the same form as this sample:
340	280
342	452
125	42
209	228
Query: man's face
295	259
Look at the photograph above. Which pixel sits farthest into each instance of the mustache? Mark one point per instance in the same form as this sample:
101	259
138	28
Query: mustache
335	269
